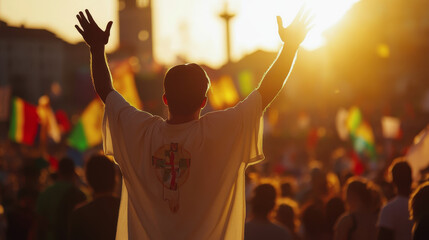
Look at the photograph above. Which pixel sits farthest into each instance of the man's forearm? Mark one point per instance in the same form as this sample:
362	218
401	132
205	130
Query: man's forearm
275	77
100	73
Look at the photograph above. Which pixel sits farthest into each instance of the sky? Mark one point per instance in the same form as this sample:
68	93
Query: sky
190	29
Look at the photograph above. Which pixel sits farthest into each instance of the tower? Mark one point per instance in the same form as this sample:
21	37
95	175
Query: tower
227	16
135	29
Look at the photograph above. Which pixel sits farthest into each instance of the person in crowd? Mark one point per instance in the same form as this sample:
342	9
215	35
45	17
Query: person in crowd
21	215
55	205
260	226
318	189
377	198
287	190
313	221
286	216
98	218
419	212
359	222
335	207
394	222
184	176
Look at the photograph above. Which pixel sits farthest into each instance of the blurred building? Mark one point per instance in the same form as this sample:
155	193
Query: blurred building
135	30
35	62
30	60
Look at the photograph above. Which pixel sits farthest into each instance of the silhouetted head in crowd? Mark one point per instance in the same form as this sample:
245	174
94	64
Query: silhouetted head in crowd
100	174
185	89
334	209
263	200
66	169
419	211
314	221
358	195
286	216
319	182
286	190
401	176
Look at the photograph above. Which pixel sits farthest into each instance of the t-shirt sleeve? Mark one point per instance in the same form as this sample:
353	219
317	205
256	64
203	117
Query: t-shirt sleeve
251	115
386	219
122	128
342	227
244	124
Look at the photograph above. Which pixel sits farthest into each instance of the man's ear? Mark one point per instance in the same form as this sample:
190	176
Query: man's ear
164	99
204	102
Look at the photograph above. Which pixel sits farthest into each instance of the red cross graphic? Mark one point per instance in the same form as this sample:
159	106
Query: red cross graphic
173	171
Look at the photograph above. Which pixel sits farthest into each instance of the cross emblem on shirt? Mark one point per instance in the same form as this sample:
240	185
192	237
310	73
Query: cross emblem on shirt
171	163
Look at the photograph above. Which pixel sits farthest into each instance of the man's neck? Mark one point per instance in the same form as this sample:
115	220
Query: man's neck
179	119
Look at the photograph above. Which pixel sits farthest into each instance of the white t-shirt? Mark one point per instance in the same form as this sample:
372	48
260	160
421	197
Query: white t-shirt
203	197
395	216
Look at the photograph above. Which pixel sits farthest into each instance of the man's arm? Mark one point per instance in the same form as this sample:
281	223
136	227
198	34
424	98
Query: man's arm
96	39
276	76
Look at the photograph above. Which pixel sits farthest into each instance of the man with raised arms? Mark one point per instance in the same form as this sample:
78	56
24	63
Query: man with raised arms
183	177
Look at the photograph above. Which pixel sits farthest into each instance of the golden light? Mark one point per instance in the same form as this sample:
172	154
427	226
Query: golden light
143	35
325	14
383	50
222	93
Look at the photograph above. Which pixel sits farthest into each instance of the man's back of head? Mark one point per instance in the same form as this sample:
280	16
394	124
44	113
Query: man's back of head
185	88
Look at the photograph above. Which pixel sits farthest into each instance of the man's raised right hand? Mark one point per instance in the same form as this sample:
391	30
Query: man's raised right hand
91	32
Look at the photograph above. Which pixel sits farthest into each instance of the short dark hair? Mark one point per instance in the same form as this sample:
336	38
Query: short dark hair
264	199
401	174
100	173
185	87
359	188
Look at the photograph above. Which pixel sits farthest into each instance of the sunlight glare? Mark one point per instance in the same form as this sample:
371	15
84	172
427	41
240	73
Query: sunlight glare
326	14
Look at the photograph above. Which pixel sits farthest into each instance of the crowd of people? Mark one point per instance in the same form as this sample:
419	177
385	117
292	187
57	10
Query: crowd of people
67	204
323	208
39	203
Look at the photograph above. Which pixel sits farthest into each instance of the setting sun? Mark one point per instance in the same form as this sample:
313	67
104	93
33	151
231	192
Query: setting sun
326	14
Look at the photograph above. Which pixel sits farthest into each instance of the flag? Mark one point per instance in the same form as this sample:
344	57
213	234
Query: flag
24	122
361	134
124	82
357	165
63	121
363	141
418	154
354	119
47	119
87	132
